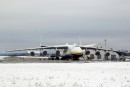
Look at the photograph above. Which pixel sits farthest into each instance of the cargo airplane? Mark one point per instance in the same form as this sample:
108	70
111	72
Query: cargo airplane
67	51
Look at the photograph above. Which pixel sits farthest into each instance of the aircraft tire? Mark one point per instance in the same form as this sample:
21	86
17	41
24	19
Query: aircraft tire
57	58
63	58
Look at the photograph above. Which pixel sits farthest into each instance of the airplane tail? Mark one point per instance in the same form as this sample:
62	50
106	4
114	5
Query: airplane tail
41	42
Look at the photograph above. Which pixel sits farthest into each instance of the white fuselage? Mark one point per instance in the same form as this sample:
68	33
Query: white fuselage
72	50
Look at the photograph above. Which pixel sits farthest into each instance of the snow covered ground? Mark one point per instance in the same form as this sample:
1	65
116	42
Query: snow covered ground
108	74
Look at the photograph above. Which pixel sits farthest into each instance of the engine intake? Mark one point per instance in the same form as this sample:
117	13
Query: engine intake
44	53
107	54
57	53
97	53
32	53
87	52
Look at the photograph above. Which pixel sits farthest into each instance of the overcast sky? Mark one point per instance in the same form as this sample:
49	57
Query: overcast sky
23	22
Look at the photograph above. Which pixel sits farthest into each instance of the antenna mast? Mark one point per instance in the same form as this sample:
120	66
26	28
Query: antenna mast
105	43
80	41
41	41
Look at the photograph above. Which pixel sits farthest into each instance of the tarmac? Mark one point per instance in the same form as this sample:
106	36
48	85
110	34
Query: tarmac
36	60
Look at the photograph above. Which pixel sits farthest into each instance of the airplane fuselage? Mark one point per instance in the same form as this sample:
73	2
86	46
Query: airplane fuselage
72	52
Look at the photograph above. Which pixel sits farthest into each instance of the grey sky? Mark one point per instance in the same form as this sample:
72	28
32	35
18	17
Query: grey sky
22	22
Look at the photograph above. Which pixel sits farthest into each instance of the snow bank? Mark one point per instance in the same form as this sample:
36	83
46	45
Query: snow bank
2	58
65	75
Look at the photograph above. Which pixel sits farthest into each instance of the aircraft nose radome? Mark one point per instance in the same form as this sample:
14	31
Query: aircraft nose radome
77	53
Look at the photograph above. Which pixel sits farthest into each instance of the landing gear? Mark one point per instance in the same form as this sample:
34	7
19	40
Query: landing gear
57	58
63	58
122	59
70	58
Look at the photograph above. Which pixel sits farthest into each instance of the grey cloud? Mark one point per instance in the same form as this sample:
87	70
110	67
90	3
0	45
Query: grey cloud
61	21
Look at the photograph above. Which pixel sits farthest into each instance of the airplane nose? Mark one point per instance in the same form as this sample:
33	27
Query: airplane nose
77	51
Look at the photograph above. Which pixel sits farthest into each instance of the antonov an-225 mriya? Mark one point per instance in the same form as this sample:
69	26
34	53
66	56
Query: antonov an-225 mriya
67	51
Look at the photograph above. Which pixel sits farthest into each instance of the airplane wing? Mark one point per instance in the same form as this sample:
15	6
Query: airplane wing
56	47
88	46
37	48
41	48
94	47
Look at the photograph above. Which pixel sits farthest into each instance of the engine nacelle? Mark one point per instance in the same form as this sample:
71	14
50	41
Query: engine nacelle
57	53
97	53
87	52
44	53
107	54
32	53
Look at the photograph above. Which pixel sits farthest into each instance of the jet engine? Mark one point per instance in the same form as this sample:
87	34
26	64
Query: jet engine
97	53
87	52
44	53
107	54
32	53
57	53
